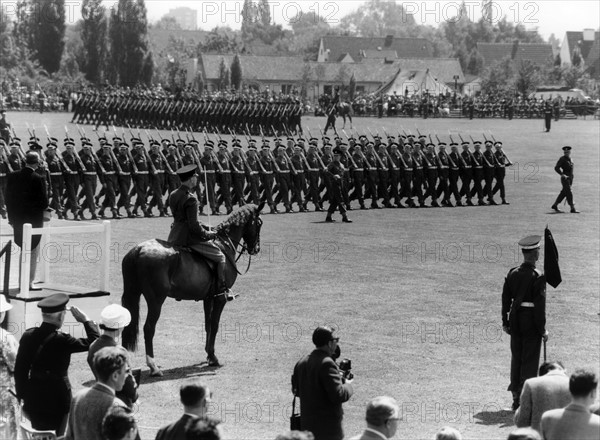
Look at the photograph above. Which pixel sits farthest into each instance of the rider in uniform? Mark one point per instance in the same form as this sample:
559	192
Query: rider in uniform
186	230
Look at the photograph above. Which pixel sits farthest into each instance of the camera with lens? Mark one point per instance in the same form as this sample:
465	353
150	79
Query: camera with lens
345	367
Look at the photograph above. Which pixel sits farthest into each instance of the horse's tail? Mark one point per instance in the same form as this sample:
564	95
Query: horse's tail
131	297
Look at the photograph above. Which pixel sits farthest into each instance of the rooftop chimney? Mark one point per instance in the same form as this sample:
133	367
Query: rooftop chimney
588	35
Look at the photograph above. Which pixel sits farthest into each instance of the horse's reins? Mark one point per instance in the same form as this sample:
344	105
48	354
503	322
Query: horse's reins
241	252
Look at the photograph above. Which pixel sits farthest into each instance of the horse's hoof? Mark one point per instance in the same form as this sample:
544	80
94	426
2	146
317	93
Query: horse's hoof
213	361
156	373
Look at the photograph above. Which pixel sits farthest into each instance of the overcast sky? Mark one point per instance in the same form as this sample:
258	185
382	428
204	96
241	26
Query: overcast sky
549	16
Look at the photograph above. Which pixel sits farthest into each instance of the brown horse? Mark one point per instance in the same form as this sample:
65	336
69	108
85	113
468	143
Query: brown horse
157	270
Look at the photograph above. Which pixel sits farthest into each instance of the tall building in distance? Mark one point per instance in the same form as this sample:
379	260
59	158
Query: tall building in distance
186	17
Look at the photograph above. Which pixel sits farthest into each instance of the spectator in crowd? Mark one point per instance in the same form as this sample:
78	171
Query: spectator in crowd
318	382
203	429
575	421
524	434
119	424
113	319
41	367
26	201
383	415
90	405
448	433
540	394
9	405
194	396
296	435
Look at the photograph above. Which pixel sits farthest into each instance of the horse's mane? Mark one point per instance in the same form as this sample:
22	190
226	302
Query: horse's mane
237	218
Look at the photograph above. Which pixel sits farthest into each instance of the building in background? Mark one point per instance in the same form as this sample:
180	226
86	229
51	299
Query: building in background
187	18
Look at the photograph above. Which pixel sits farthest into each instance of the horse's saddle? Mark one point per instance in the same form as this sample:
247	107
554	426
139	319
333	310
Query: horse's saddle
188	261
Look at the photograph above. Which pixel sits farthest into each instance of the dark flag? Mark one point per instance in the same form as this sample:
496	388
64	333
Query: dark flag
551	269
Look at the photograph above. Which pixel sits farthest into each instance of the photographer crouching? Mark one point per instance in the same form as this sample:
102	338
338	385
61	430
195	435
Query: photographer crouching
322	386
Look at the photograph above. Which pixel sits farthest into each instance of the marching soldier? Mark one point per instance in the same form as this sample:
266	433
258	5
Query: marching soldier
524	316
253	168
210	166
284	180
141	178
298	178
57	183
501	162
157	179
372	175
126	170
454	173
478	173
432	174
396	175
172	179
407	171
89	179
238	177
443	176
224	176
267	177
418	174
335	169
14	159
466	173
564	167
313	175
489	171
109	180
71	178
358	175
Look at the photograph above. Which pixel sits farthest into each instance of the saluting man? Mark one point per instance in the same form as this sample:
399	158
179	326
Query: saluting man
524	316
564	167
43	360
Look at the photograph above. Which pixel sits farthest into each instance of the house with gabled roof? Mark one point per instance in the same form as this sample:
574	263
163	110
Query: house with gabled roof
578	42
343	48
538	53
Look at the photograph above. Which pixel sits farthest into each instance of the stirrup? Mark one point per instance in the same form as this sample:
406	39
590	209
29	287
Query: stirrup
228	294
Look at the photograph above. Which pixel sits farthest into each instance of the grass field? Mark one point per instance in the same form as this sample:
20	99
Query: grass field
415	294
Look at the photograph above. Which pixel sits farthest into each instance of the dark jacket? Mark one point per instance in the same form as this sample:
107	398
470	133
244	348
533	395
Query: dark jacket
317	381
43	383
26	200
176	430
524	284
186	229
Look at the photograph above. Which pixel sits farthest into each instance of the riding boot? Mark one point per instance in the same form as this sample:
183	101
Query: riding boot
223	289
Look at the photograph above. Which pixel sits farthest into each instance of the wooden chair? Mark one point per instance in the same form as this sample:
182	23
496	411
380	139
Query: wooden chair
33	434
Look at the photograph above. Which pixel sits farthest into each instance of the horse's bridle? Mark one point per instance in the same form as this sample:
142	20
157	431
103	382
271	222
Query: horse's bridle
255	250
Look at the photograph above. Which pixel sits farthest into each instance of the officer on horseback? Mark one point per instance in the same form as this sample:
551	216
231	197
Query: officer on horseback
187	231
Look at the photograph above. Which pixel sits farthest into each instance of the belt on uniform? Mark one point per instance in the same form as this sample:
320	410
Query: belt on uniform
500	166
284	171
56	174
141	172
467	167
2	174
358	169
267	172
527	304
159	171
109	173
124	173
209	171
90	173
225	171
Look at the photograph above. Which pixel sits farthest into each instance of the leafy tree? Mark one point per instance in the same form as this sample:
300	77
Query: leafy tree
497	76
49	31
378	17
308	29
223	74
167	23
222	40
573	76
236	72
305	79
128	43
94	36
264	12
576	59
527	77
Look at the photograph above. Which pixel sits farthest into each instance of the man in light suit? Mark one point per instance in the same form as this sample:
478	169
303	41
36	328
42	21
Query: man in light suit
541	394
575	421
90	405
383	416
321	388
194	396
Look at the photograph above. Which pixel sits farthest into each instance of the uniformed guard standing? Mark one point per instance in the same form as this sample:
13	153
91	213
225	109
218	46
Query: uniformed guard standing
524	316
42	364
564	167
547	115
